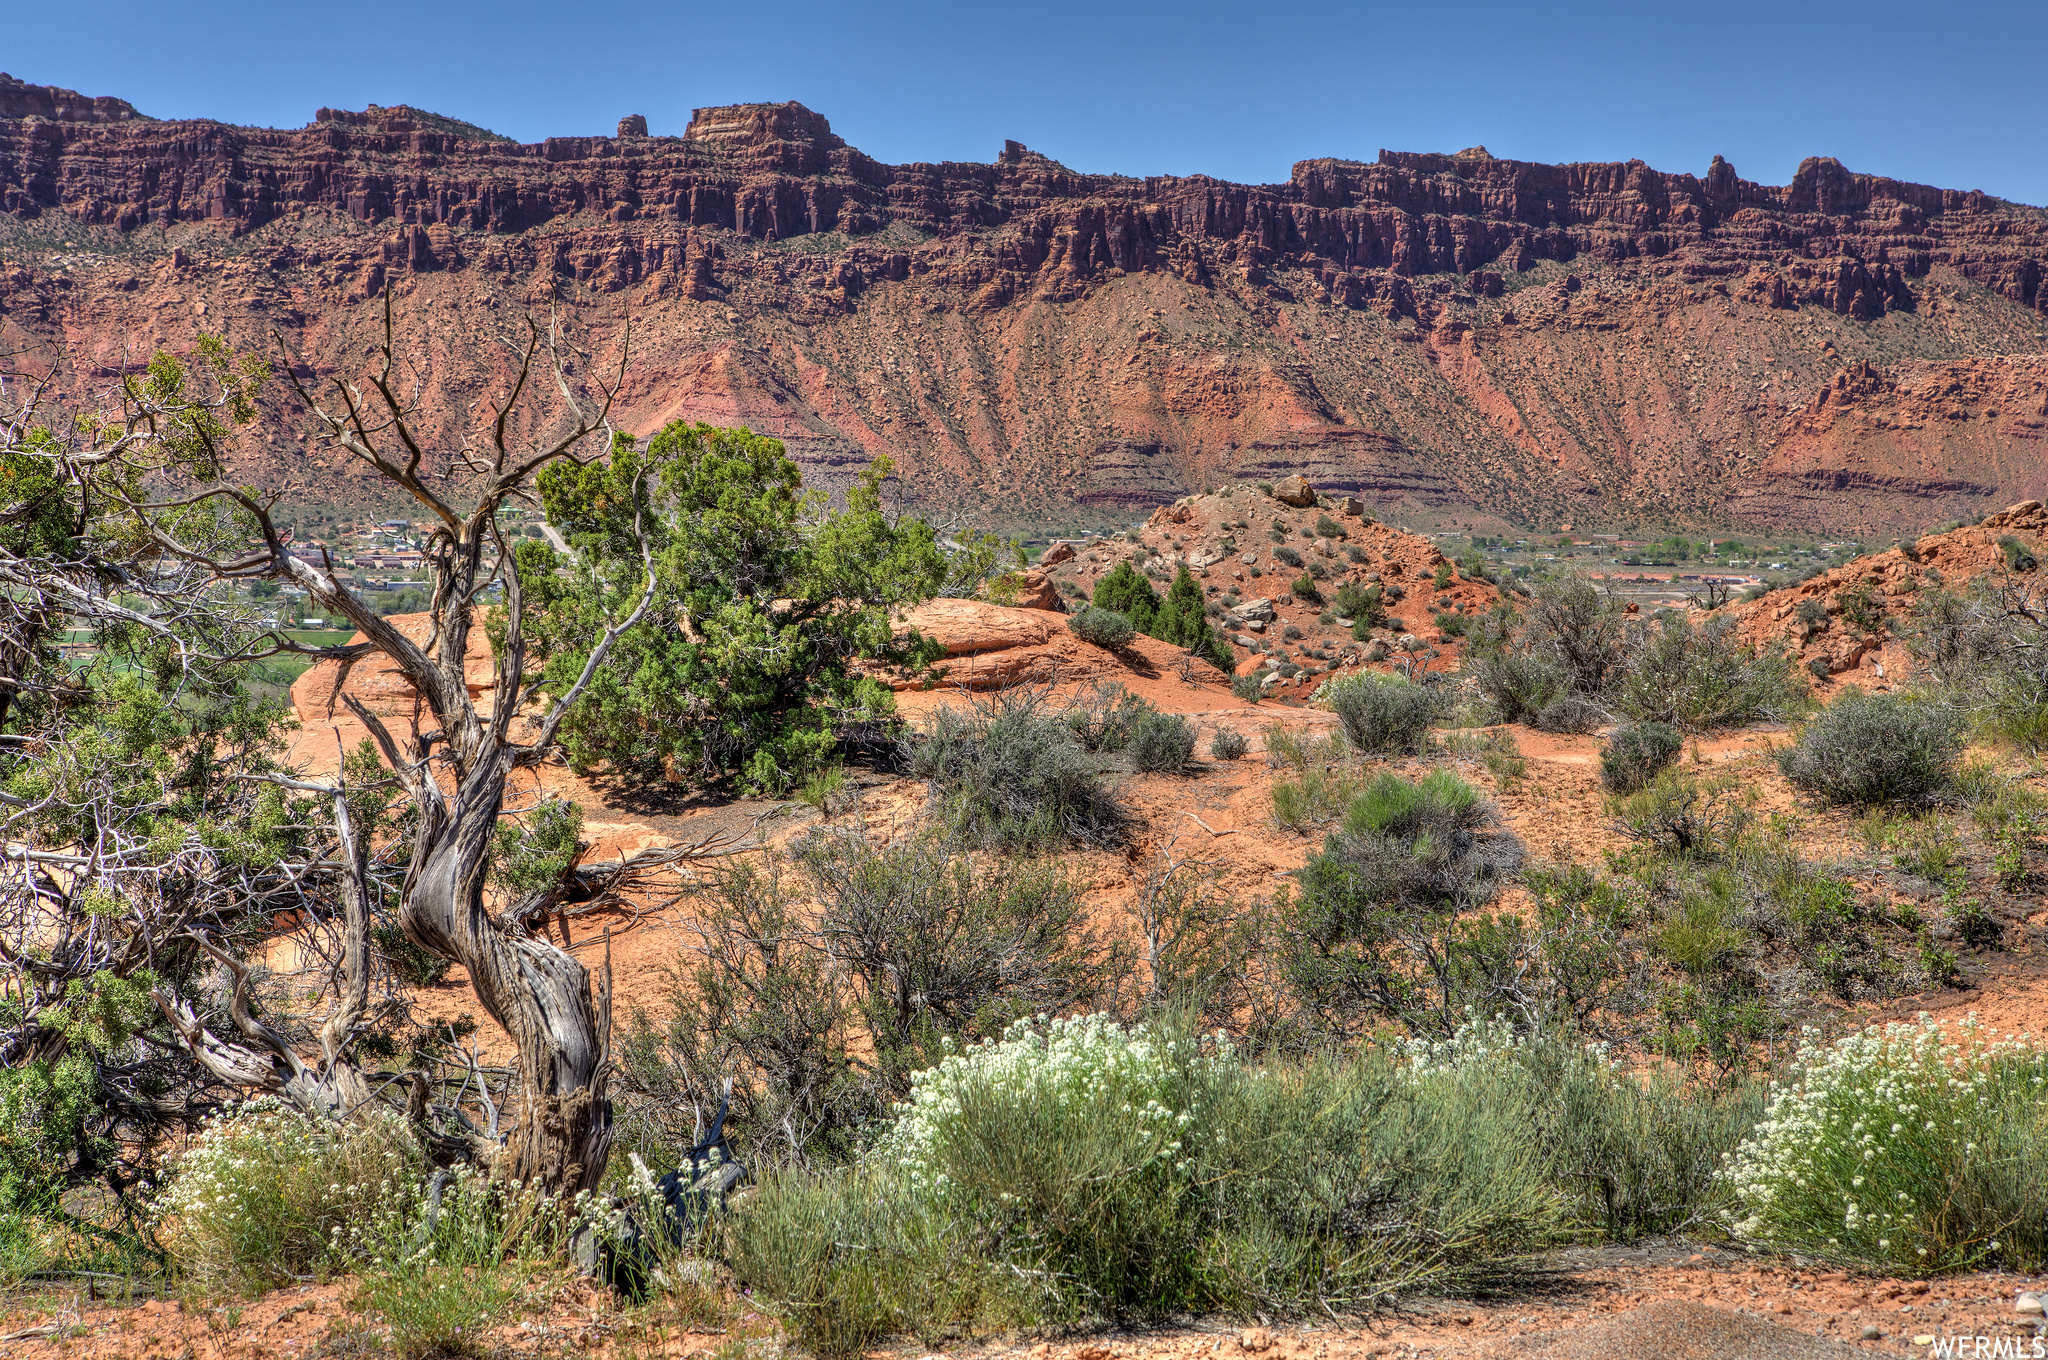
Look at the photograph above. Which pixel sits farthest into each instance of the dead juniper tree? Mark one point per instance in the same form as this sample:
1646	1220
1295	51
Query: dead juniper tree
212	536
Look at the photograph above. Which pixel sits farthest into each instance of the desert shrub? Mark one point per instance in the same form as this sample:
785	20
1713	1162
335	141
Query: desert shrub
1370	936
1811	612
1818	667
1989	651
1247	687
1636	752
1283	553
913	946
1627	1155
1106	717
1163	744
1384	714
758	1004
1061	1178
1291	633
1228	744
2016	554
414	966
1682	817
1906	1150
1974	926
1519	684
1124	591
1361	604
1314	797
946	950
1328	528
447	1262
1304	588
1357	555
1706	677
1583	629
1102	627
1572	713
263	1190
1861	607
1873	749
1008	774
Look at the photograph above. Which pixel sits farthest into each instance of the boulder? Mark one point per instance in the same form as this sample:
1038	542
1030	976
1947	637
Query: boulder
1294	491
1351	506
1035	590
971	627
1056	554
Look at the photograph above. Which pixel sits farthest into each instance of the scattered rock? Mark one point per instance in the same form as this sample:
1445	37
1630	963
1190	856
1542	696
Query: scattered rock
2028	1305
1255	1339
1351	506
1873	1332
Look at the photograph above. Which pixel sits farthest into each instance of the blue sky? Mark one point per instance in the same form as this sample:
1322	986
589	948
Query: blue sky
1950	94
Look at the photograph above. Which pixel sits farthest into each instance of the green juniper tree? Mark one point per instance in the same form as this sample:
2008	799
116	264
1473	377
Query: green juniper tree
764	598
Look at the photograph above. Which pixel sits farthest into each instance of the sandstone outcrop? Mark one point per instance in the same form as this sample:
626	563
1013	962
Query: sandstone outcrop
1438	336
1854	620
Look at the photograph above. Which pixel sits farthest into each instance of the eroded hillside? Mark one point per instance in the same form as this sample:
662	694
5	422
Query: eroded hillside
1459	338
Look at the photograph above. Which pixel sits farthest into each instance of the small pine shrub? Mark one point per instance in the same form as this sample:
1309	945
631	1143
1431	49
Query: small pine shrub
1875	749
1163	744
1636	752
1102	627
1228	745
1305	589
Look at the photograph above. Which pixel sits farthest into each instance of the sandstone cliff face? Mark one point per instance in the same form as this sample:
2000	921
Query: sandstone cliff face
1451	337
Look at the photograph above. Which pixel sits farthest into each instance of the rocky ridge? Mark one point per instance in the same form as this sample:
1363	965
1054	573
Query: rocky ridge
1462	337
1850	625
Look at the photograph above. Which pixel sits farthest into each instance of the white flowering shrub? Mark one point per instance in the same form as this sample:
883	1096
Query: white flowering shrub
263	1191
1086	1068
1903	1147
1483	1042
1062	1151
